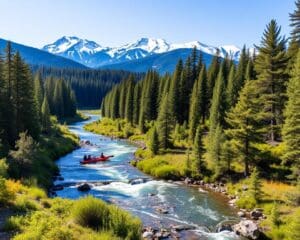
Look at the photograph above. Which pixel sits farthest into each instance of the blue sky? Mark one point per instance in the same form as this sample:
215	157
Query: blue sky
116	22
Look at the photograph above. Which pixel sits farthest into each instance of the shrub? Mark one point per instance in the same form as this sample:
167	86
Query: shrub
5	195
23	204
13	223
3	168
123	224
36	193
166	172
91	212
247	202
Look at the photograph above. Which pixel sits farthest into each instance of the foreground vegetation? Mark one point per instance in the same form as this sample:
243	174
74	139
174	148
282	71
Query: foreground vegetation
37	217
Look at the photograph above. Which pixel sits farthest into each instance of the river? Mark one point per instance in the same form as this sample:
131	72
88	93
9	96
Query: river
185	205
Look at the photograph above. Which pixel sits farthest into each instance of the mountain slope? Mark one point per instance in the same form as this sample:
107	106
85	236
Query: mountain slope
34	56
93	55
163	62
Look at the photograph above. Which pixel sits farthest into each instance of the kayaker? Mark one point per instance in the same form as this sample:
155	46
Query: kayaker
102	155
84	157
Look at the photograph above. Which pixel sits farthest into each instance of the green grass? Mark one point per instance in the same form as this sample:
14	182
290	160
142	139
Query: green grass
39	217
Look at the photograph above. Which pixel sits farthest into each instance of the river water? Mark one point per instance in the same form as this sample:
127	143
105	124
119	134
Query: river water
185	205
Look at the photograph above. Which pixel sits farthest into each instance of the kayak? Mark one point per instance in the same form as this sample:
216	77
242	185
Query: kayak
96	159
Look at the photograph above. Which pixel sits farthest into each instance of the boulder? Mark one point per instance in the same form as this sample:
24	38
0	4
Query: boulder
162	210
84	187
247	228
241	214
147	235
182	227
256	214
187	180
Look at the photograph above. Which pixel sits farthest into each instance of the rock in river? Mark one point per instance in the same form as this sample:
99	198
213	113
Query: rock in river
247	228
84	187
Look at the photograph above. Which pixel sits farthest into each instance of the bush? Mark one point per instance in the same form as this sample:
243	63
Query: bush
247	202
91	212
5	195
36	193
13	223
166	172
23	204
123	224
3	168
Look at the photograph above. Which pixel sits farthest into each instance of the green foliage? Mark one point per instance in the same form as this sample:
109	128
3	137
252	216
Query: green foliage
275	215
94	213
198	152
290	129
153	141
246	202
91	212
3	168
255	185
5	195
294	227
270	65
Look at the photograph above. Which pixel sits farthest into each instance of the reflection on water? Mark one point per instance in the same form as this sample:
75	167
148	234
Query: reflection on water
185	205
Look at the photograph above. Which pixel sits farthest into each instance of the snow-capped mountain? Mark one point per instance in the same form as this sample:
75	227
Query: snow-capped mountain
94	55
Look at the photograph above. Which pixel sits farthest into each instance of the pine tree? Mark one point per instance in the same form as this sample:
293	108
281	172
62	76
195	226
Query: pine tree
8	111
295	22
275	215
230	90
290	130
199	102
198	150
218	105
38	90
129	100
212	74
154	142
165	123
255	185
174	91
243	126
136	103
45	116
270	66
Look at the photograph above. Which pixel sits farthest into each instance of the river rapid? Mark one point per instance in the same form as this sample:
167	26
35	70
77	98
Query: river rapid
185	205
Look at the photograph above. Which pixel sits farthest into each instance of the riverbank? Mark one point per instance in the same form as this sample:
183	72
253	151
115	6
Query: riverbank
278	201
24	204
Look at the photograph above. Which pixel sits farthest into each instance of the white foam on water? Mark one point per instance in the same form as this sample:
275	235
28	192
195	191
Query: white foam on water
224	235
192	199
208	212
131	190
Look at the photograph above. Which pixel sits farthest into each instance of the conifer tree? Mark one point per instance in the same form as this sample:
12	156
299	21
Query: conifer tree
129	100
174	92
212	74
136	103
218	105
230	89
270	66
255	185
45	116
275	215
198	150
199	102
295	22
10	120
290	130
154	142
243	126
165	123
38	90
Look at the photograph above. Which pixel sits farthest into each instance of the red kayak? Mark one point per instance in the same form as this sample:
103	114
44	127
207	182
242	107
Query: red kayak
95	159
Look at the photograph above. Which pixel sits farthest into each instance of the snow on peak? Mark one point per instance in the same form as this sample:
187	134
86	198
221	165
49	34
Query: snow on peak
68	43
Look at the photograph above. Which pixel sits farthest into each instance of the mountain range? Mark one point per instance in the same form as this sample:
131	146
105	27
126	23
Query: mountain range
139	56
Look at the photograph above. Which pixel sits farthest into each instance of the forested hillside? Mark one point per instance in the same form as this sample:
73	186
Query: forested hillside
232	120
90	86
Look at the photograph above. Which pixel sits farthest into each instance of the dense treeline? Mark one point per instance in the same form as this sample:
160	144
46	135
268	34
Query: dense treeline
26	106
90	86
230	112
